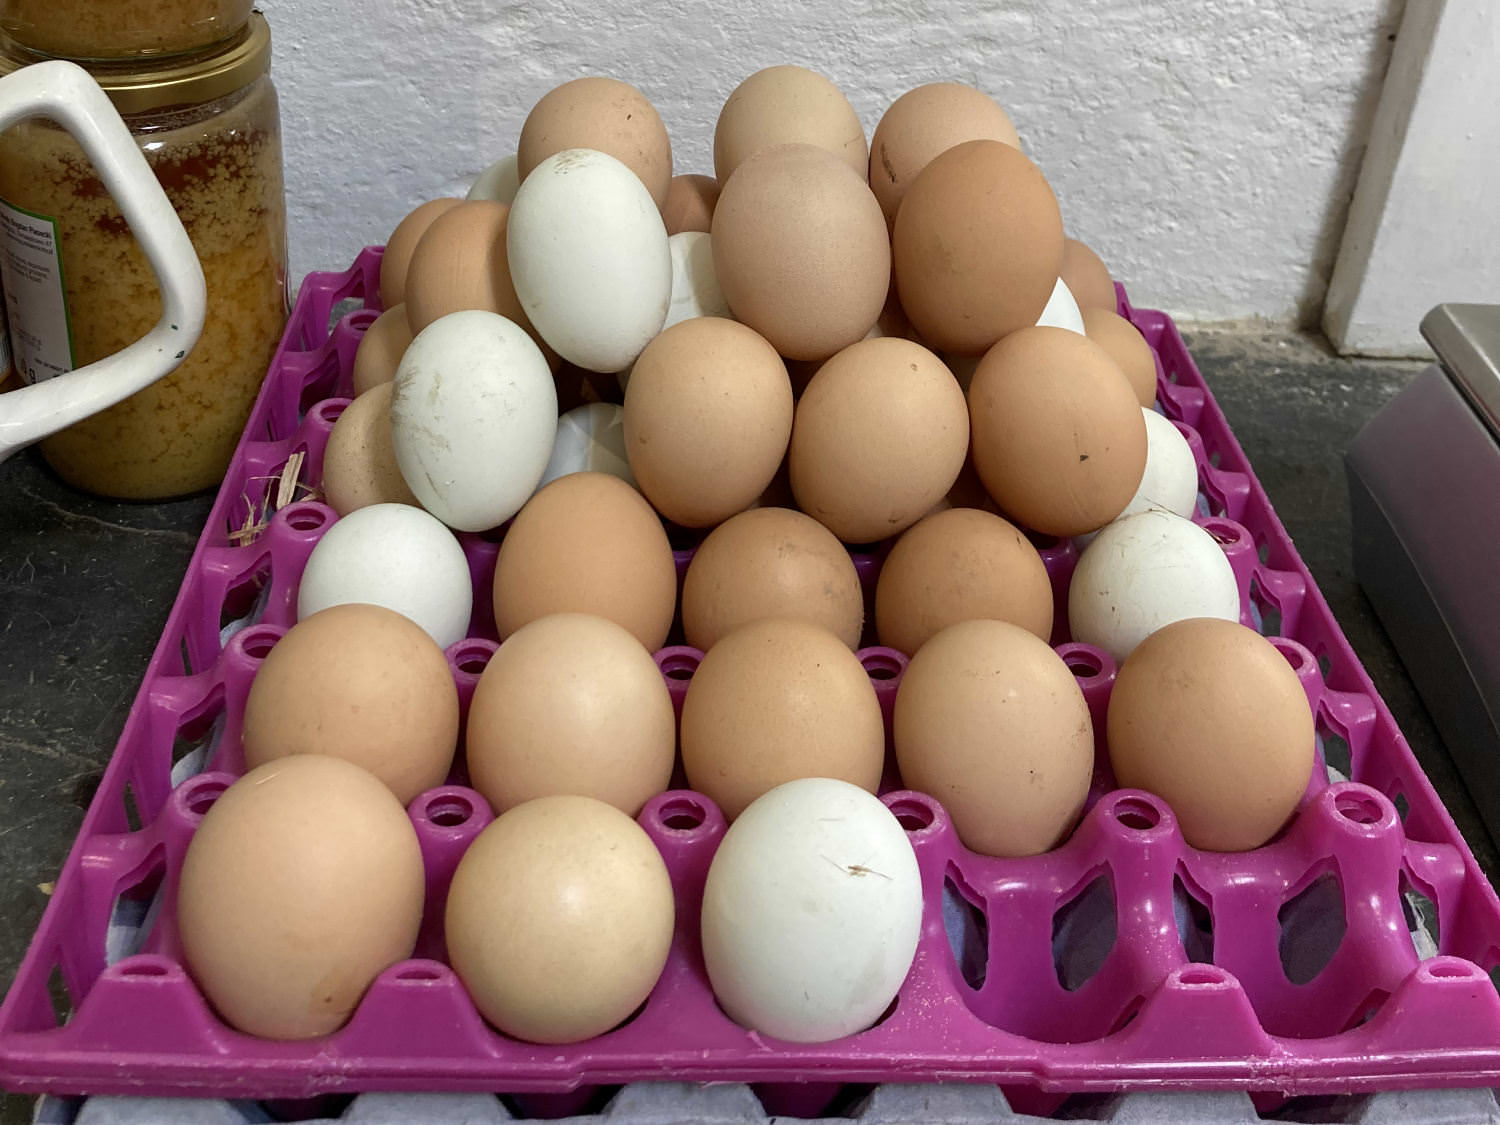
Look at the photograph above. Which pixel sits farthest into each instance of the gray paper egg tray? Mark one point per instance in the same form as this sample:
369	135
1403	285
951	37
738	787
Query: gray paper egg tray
671	1103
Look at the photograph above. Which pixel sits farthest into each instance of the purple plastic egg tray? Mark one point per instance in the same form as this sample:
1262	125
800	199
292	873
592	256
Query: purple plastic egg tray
1353	952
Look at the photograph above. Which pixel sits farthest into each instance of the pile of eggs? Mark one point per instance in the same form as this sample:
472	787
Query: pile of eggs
827	345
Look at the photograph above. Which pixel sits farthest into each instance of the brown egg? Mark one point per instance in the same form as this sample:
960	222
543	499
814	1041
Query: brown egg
924	123
773	701
708	414
559	919
358	682
1059	440
991	722
800	251
960	565
787	105
571	704
606	115
303	883
587	543
380	349
771	562
460	263
1087	277
690	204
976	246
1127	347
1208	715
880	435
359	462
399	247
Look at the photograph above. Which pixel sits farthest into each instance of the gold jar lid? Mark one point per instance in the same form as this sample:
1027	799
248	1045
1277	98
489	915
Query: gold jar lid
140	86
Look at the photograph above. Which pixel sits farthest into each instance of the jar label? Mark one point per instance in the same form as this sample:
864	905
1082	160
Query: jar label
4	339
35	301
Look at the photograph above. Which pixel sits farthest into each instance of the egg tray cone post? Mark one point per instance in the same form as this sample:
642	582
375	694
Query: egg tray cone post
1123	959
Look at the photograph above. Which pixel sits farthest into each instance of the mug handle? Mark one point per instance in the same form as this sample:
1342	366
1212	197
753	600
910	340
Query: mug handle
67	94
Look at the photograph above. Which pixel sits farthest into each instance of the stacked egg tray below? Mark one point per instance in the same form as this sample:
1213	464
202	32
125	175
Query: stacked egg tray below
1351	953
730	1103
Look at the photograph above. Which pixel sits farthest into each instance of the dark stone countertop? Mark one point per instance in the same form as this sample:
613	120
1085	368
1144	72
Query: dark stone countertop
85	589
86	585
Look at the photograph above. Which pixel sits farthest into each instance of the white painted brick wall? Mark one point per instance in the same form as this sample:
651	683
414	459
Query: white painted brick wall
1206	148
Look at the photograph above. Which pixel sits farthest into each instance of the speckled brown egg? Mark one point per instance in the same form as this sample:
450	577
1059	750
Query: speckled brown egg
380	349
1058	437
690	203
773	701
800	251
606	115
879	437
460	263
977	246
571	704
708	414
1087	277
358	682
1127	347
991	722
924	123
960	565
302	884
399	247
1208	715
359	461
771	562
787	105
587	543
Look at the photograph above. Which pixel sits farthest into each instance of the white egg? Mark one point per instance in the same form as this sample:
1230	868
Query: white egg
695	285
590	439
498	182
473	416
811	912
589	258
1061	310
1143	572
396	556
1171	478
1170	482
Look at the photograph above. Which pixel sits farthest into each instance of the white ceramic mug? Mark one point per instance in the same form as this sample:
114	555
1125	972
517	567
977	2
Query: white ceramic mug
66	93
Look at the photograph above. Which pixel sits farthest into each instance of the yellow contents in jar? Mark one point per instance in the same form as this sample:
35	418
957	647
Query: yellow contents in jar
91	29
220	165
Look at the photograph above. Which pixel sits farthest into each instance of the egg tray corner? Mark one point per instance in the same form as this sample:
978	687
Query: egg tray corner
1123	960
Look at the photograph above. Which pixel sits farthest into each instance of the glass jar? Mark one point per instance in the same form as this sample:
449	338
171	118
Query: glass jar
7	368
121	29
210	131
